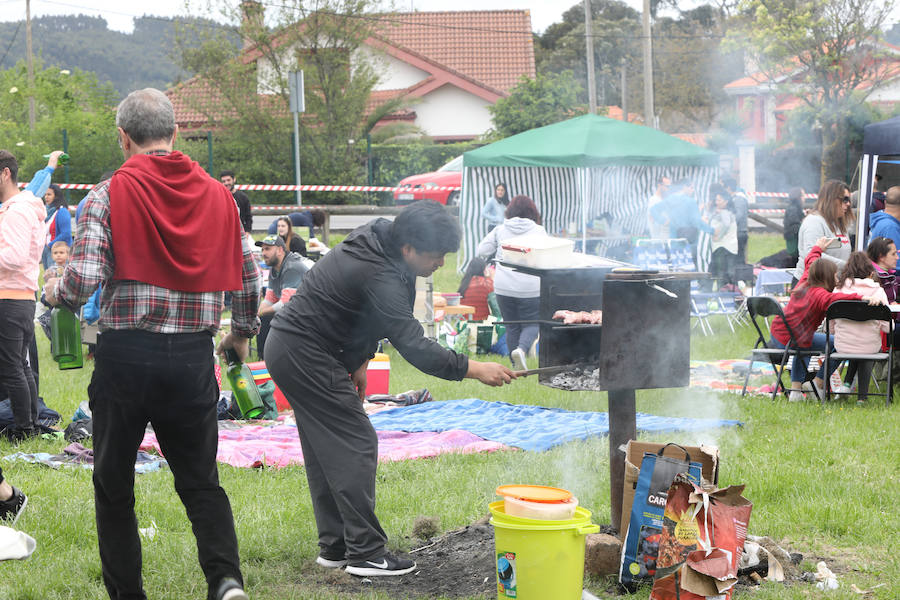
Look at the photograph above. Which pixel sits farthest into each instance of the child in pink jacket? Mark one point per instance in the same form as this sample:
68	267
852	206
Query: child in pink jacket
859	337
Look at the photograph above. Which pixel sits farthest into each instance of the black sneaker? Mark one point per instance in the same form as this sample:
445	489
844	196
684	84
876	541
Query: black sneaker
12	508
386	565
231	589
19	435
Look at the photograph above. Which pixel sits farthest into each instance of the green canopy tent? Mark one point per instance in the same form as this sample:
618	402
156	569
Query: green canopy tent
577	170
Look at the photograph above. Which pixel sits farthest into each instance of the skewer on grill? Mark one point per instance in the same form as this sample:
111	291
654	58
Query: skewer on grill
550	370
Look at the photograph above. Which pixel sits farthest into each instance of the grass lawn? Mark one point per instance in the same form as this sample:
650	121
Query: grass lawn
822	480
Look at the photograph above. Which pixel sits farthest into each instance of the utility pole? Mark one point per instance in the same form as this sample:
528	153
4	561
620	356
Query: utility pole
649	111
589	41
30	65
624	91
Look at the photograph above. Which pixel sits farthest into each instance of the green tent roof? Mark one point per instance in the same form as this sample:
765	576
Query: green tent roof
590	141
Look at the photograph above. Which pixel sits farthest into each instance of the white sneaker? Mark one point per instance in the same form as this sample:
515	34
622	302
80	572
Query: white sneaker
518	359
796	396
842	389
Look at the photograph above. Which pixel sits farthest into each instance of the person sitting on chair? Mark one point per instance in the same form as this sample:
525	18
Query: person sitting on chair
854	337
805	312
287	271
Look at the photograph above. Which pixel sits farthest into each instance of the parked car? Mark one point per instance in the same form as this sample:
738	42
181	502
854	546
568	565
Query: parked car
427	185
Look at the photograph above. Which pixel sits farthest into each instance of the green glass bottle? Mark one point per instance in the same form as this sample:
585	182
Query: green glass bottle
63	158
65	338
243	387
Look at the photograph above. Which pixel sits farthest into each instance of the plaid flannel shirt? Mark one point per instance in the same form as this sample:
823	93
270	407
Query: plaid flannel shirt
126	304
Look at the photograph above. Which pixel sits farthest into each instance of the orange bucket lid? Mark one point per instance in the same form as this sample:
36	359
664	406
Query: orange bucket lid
535	493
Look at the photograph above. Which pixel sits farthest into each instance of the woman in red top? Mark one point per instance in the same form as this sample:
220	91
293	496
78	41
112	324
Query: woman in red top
475	287
805	312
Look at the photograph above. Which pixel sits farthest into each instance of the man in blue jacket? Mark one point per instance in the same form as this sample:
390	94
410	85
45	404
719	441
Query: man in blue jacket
886	223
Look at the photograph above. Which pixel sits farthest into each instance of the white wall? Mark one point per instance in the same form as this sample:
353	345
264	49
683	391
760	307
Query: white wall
393	73
266	78
889	92
449	110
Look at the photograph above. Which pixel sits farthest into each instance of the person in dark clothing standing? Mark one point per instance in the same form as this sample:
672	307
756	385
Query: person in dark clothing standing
741	209
793	217
240	198
317	353
154	359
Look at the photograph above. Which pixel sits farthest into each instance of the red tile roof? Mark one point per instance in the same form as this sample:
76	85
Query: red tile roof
698	139
616	112
488	49
494	47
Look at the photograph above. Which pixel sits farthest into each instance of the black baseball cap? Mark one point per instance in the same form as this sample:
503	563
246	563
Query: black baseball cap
271	240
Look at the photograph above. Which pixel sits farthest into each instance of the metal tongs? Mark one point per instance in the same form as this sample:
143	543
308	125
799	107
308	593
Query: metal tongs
549	370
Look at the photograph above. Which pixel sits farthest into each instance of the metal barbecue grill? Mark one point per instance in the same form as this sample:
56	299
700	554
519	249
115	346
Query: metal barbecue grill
643	342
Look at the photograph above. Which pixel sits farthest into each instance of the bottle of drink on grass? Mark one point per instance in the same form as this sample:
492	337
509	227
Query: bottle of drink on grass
243	387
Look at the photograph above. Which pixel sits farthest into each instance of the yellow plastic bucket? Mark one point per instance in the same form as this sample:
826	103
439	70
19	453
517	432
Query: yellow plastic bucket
538	559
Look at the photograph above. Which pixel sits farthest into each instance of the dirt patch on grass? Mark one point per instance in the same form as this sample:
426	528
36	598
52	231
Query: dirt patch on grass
459	564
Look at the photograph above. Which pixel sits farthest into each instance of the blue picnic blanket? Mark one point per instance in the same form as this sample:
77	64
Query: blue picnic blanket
527	427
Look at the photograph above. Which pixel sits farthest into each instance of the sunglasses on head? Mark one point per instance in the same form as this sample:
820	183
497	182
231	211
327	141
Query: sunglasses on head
846	200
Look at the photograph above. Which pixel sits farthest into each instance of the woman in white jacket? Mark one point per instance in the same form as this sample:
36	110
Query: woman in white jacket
518	294
859	337
831	217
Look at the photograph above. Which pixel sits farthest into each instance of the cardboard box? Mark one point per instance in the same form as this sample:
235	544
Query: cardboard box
708	456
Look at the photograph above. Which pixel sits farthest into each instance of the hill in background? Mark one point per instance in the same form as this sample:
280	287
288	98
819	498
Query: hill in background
128	61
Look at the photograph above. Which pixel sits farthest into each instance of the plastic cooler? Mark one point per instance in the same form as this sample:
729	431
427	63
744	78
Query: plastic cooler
378	375
261	375
543	252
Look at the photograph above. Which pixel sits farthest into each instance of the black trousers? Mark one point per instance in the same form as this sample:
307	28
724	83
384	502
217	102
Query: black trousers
340	447
16	336
168	381
264	325
742	247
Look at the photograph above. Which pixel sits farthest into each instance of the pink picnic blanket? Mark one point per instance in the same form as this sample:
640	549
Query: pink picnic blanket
279	445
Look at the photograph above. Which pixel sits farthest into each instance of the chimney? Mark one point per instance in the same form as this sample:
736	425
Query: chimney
252	15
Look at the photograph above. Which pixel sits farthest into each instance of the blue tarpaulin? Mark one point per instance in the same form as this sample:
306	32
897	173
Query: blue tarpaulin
528	427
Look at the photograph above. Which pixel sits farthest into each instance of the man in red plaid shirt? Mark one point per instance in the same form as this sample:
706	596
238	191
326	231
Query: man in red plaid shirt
165	241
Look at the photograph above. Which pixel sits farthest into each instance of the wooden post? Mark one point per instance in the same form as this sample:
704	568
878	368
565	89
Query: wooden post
326	227
622	428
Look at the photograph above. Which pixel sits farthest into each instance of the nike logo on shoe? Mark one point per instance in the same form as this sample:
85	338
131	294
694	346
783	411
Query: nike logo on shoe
381	565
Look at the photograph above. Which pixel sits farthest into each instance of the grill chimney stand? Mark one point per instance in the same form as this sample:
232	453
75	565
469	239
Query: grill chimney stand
643	342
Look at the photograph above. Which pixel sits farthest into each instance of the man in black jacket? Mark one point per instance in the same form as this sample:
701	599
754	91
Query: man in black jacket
317	353
240	198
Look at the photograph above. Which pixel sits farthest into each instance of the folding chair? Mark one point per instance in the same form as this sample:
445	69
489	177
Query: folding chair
761	307
857	310
700	311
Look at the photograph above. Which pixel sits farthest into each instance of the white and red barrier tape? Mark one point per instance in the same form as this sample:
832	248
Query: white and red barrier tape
354	188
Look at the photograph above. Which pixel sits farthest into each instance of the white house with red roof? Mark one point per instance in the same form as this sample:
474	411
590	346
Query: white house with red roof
760	98
453	65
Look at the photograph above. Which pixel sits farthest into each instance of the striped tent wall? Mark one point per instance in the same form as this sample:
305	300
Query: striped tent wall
622	192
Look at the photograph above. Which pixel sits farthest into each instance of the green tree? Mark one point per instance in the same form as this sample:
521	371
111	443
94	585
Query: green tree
690	69
824	52
248	105
544	100
71	100
616	33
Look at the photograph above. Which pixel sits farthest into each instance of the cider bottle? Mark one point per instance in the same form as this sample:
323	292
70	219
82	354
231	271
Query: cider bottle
243	387
65	338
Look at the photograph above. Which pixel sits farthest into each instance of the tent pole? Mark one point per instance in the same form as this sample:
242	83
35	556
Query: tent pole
866	176
586	196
